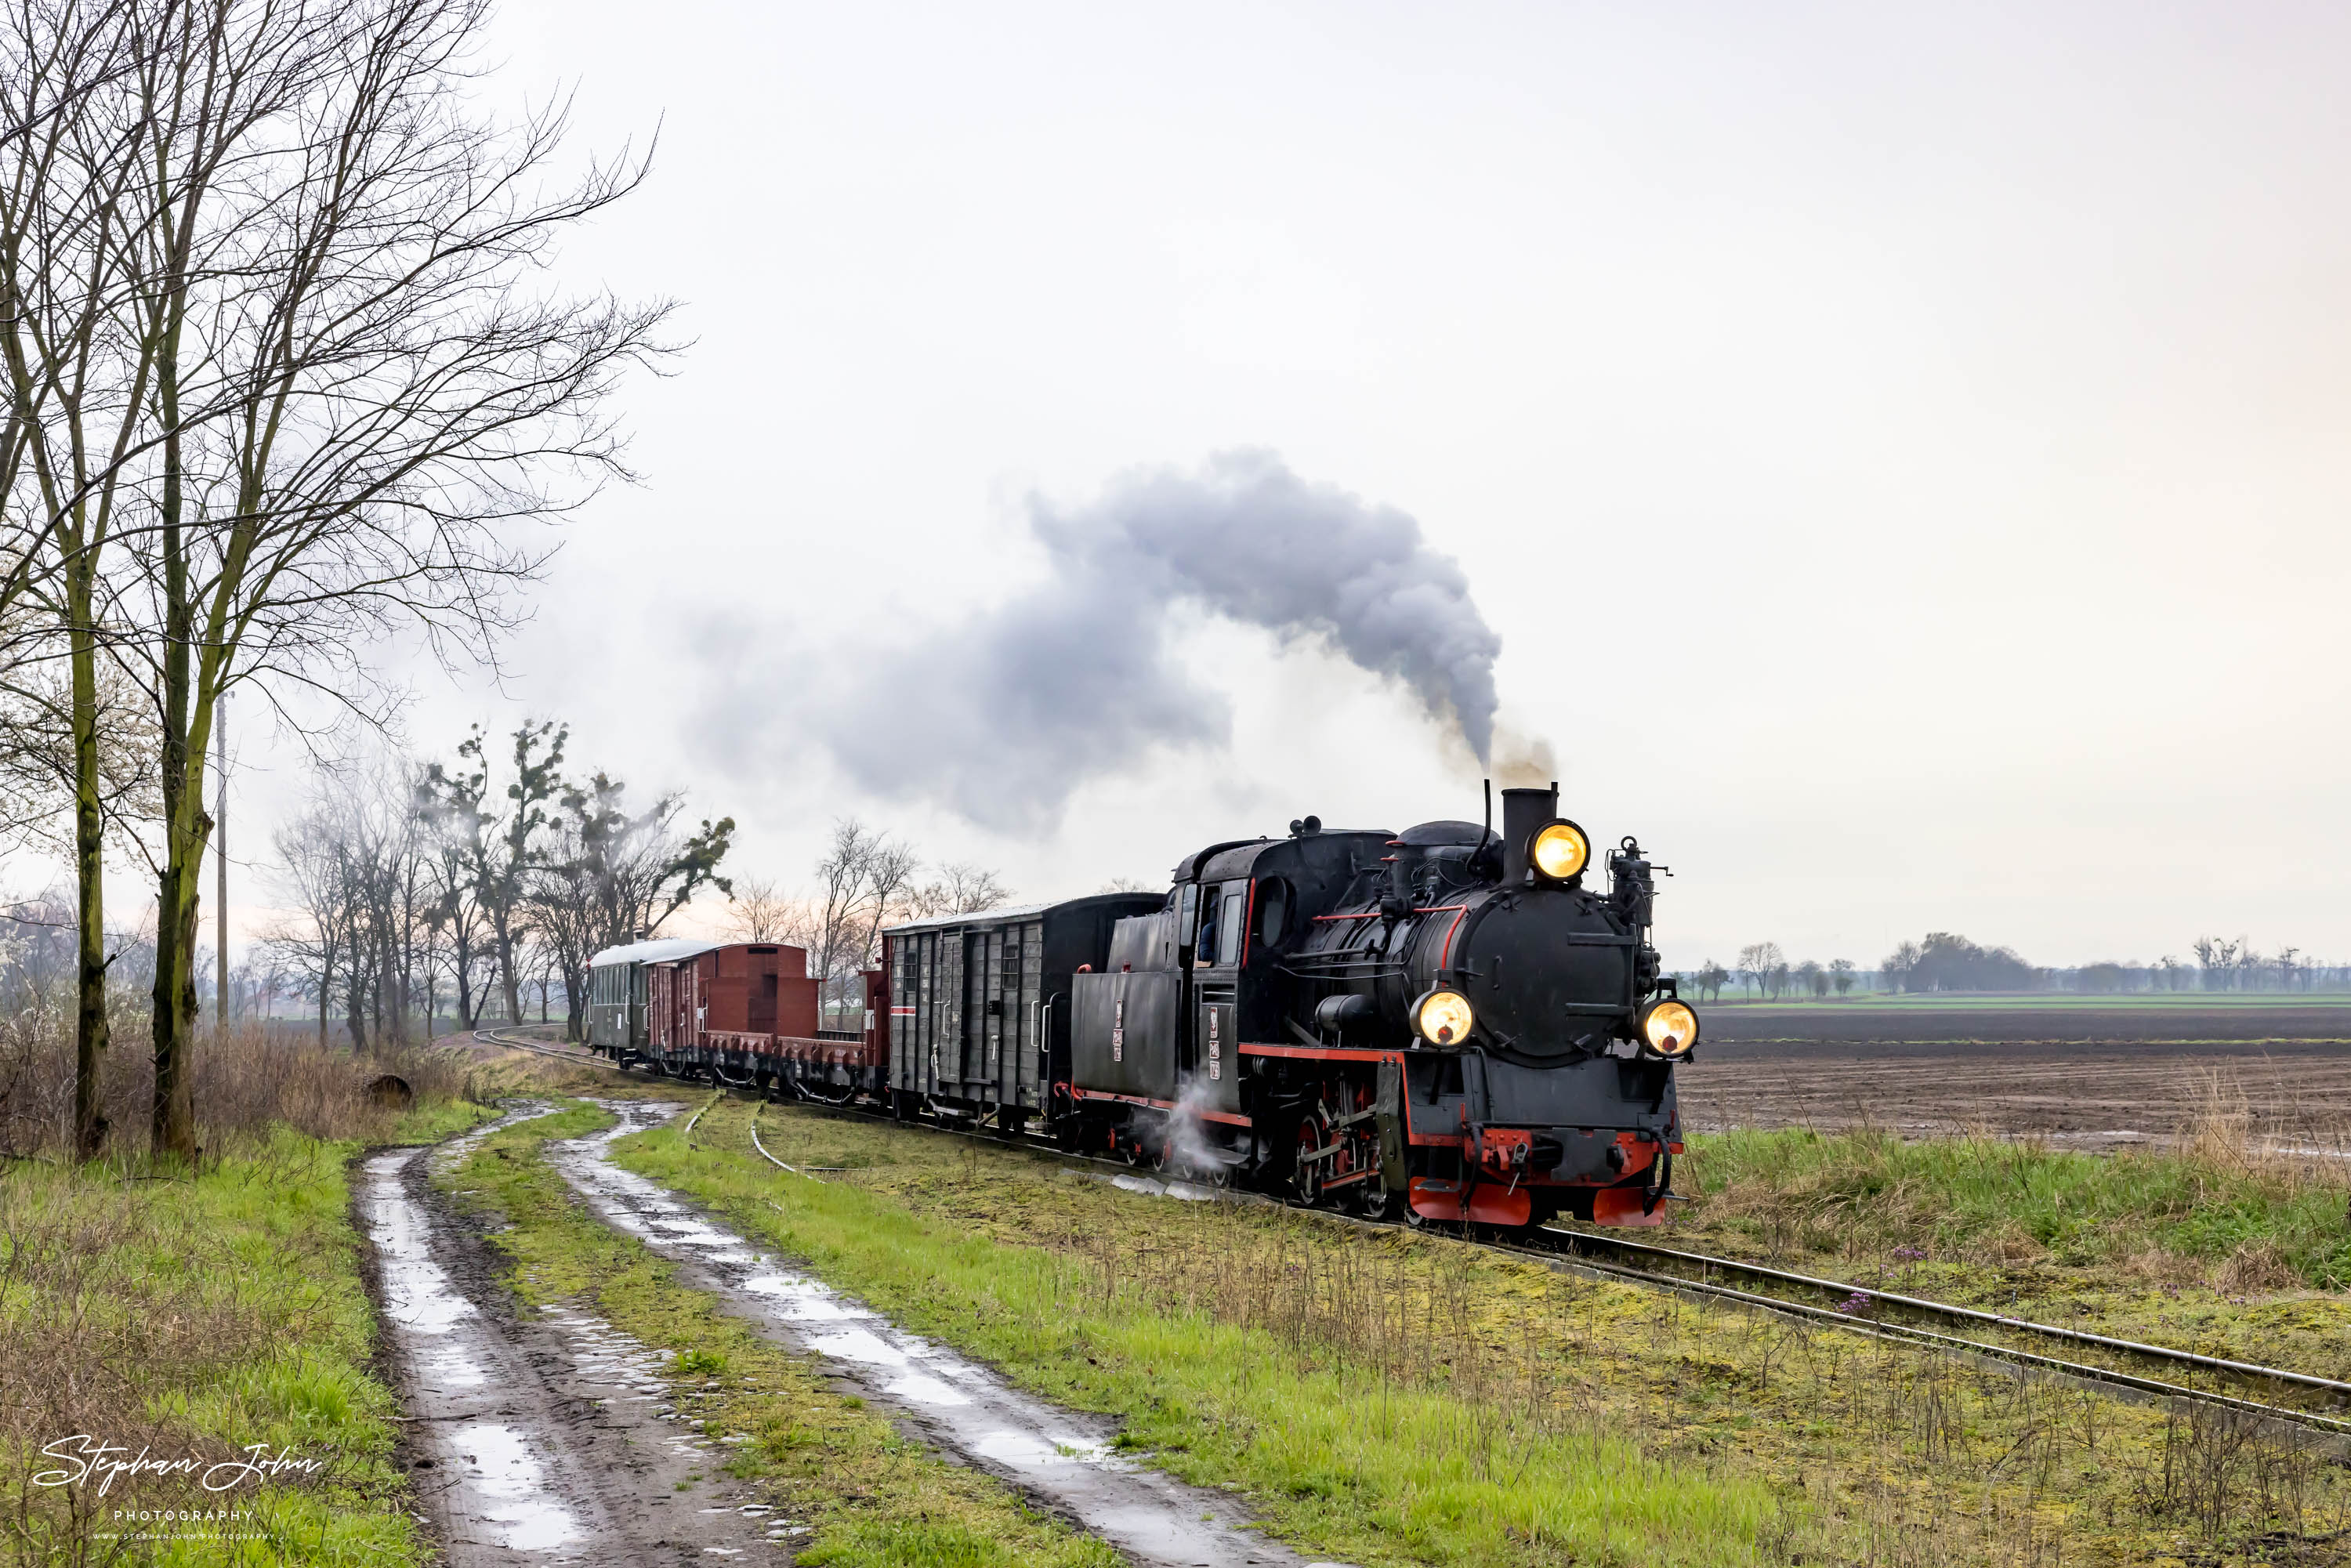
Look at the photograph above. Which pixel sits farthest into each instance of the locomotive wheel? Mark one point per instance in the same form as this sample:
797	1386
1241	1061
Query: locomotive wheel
1377	1202
1308	1180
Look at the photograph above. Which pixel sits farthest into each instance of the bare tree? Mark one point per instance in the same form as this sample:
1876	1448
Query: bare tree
79	368
864	880
359	299
1760	964
315	945
609	872
450	805
888	880
961	888
761	912
496	854
840	899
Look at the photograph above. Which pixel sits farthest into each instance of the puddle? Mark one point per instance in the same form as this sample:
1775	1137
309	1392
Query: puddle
1151	1186
520	1513
492	1488
1059	1456
544	1440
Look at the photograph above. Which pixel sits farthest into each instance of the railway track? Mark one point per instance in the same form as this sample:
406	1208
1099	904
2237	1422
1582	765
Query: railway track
1892	1315
2322	1404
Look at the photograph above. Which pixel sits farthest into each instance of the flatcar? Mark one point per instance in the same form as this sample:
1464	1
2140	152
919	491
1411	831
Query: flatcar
1447	1023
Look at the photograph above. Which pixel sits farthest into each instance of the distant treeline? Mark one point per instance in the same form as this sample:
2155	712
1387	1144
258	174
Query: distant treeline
1946	961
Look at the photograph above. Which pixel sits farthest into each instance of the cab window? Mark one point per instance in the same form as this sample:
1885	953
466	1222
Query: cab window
1231	924
1273	909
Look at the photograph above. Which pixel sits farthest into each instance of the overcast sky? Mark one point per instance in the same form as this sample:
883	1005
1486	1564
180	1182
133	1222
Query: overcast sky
1899	449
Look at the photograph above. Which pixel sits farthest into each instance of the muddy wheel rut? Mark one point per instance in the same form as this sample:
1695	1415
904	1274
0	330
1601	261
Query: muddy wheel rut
540	1440
552	1438
1062	1460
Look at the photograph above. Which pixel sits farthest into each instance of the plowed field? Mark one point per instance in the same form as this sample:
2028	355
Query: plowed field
2080	1072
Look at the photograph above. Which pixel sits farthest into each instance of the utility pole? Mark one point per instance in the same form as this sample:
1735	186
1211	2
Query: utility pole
220	853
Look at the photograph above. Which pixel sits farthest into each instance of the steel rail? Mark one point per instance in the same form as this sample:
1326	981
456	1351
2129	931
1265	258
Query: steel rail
771	1158
1950	1310
1657	1279
1831	1317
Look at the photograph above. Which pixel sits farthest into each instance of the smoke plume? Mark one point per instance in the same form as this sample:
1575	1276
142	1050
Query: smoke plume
1005	715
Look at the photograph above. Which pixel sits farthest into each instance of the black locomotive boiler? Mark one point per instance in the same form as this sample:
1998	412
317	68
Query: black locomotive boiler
1447	1023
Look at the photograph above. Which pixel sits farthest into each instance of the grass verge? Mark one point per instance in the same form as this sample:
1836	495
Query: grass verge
197	1313
871	1499
2206	1246
1392	1397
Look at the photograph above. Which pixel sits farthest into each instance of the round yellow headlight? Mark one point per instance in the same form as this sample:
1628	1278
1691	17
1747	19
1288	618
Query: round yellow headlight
1669	1028
1559	850
1444	1018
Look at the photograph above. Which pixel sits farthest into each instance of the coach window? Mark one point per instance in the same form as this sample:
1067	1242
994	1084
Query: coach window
1232	924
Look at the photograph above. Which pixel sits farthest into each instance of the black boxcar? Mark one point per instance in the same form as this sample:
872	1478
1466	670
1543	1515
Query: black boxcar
979	1004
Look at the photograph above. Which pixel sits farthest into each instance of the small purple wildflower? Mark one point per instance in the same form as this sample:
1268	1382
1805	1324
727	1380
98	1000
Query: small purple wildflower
1856	1302
1910	1254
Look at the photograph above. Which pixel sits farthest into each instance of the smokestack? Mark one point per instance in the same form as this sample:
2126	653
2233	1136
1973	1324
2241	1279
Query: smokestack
1523	811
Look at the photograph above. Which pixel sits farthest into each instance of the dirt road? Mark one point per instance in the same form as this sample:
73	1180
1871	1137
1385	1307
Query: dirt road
1062	1458
533	1440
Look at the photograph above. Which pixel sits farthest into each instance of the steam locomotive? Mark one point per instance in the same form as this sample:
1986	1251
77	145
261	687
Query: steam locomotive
1444	1024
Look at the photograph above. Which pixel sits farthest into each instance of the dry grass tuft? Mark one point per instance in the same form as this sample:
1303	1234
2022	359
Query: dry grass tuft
2157	1266
2257	1268
245	1081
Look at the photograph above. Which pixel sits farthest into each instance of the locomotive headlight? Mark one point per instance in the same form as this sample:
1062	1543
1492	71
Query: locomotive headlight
1669	1028
1559	850
1443	1018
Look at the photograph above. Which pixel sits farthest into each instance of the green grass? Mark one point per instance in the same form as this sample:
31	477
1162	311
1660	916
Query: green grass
199	1313
1867	1189
871	1496
2241	1259
1388	1399
1369	1469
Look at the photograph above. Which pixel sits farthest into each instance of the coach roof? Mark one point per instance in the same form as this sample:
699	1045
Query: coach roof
659	952
1023	912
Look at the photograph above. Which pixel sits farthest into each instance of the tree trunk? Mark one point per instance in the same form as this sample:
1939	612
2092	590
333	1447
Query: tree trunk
91	1029
575	1026
506	982
175	1125
185	718
178	886
222	1010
